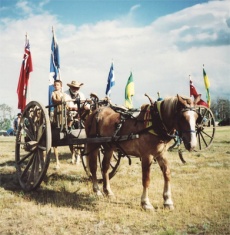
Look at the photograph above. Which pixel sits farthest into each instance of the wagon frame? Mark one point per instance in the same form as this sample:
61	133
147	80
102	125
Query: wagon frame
36	136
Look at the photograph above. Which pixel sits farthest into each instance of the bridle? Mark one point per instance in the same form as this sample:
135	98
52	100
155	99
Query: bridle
186	109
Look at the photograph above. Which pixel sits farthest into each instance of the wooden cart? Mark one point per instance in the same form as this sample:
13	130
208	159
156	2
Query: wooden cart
35	138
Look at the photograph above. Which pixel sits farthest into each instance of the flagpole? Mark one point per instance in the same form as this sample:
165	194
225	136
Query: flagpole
26	38
27	91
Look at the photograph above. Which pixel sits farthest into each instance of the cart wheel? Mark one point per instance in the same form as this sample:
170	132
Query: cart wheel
114	164
205	128
33	146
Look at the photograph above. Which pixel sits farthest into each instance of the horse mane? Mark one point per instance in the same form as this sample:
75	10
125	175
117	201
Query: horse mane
170	105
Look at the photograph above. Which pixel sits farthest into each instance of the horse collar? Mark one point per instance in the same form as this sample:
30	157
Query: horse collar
157	125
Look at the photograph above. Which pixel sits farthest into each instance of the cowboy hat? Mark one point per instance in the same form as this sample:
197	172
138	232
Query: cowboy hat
74	84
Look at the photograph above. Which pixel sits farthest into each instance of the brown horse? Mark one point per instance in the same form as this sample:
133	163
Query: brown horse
155	125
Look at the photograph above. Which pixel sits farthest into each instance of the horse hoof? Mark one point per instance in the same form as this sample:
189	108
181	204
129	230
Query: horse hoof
169	207
146	206
110	195
98	193
57	167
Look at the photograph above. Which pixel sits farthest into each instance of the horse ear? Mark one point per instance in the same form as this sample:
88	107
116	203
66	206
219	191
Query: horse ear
197	99
181	100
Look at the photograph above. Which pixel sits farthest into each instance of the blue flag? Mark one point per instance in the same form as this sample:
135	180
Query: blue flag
111	81
54	68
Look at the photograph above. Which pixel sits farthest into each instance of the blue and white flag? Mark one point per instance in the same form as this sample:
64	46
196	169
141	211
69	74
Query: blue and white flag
54	67
111	81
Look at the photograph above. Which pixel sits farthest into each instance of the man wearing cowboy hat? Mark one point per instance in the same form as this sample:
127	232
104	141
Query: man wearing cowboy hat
71	95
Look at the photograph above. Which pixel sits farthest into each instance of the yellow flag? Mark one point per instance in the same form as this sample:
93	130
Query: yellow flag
207	85
129	92
206	80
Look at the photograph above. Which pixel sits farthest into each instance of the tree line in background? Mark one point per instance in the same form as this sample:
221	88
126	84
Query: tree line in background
6	117
220	108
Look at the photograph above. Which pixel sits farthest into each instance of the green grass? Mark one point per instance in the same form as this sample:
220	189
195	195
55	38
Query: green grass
65	203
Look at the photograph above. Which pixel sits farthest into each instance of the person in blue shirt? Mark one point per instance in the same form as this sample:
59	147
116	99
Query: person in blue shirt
16	122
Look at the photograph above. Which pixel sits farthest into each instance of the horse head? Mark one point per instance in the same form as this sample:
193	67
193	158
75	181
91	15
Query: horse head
186	121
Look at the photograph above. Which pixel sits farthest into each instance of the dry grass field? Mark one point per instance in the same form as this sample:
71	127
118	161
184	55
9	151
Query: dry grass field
65	203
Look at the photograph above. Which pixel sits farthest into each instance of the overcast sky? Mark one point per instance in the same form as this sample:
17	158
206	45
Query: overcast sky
161	42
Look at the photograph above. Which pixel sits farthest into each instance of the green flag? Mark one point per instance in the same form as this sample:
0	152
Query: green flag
207	85
129	92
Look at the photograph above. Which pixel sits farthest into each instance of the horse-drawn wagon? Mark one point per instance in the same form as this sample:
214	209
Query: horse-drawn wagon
110	133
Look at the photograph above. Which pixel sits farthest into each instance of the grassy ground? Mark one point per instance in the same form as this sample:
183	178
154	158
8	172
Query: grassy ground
65	203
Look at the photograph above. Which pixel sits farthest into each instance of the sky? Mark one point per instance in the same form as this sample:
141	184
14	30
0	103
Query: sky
160	42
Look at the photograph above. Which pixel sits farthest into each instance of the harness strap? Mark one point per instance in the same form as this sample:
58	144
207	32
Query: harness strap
122	152
157	122
119	125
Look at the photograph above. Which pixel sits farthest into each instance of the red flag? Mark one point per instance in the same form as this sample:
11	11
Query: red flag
194	93
26	68
201	102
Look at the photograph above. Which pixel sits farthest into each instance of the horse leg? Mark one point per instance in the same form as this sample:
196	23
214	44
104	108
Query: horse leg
105	173
163	163
78	154
72	150
92	161
57	158
146	164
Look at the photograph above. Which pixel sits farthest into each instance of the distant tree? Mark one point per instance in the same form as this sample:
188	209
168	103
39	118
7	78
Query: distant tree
5	116
221	108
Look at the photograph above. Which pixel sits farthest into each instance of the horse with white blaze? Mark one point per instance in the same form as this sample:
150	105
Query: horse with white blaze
155	125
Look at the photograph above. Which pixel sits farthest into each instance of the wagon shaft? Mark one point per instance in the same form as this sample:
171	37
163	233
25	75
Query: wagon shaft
78	136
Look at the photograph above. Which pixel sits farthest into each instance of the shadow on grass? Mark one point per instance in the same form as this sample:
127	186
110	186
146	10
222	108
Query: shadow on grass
8	163
57	198
63	198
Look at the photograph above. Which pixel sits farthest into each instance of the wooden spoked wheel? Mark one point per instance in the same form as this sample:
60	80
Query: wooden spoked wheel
33	146
205	128
114	164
